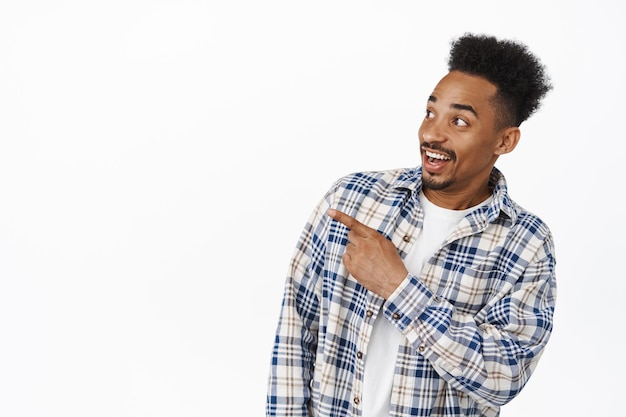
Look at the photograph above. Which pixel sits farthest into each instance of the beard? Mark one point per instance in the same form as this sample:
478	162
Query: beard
432	183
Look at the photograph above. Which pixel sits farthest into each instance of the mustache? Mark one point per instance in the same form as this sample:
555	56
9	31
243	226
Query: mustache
437	147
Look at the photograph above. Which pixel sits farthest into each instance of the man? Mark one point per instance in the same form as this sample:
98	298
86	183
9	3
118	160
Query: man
425	291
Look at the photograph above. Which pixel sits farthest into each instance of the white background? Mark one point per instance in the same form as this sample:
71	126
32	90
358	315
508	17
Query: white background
159	158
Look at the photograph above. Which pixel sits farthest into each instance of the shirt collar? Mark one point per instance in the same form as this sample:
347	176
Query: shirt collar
501	203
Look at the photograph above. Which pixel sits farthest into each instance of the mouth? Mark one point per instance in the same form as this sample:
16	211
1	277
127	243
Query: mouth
435	162
434	157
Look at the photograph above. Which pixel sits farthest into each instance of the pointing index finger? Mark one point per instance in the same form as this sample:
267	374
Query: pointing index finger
349	221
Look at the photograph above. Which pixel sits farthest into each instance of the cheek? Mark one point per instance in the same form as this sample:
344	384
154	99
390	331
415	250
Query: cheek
476	157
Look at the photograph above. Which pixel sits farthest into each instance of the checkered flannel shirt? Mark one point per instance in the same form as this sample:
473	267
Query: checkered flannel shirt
476	319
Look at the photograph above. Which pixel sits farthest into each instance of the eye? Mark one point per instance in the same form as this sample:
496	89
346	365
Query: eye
429	114
457	121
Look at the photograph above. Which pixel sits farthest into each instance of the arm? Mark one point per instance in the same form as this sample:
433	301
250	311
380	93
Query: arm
293	354
491	355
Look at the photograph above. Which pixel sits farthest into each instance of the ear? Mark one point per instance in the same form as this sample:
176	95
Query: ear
508	140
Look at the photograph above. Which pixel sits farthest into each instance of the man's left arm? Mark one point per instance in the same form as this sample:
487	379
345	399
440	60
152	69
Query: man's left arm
489	357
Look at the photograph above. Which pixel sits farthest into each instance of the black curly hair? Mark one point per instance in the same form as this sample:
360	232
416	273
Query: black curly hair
519	76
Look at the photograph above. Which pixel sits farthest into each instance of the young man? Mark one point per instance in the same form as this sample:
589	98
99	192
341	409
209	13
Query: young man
425	291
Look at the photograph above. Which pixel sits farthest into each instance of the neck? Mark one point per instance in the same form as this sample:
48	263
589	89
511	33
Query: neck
457	200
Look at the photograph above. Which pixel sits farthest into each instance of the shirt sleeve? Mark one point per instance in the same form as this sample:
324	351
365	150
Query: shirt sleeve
293	354
489	355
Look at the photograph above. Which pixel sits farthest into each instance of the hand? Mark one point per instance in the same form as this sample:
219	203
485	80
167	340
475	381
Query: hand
370	257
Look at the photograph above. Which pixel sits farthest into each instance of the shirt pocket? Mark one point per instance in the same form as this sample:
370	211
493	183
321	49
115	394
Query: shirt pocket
470	288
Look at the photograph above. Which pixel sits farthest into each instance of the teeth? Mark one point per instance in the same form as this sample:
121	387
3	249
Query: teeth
437	155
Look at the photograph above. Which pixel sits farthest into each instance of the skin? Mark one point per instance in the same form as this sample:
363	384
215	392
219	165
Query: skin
461	128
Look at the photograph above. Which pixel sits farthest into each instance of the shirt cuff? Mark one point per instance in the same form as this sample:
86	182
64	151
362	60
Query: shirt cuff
408	302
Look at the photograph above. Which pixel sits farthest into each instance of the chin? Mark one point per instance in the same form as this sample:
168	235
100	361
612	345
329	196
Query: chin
435	183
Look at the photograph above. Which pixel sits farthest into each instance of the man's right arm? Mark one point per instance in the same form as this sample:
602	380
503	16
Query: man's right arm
295	344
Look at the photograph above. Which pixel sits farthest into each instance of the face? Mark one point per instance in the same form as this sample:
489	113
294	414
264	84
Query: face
459	142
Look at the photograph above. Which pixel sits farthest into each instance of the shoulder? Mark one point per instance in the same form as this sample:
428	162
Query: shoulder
524	224
531	222
364	181
371	190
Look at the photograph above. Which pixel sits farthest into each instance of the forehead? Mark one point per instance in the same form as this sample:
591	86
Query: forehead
458	88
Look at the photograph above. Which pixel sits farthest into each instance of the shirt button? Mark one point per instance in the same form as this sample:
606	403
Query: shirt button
421	348
395	316
406	238
357	400
359	355
369	313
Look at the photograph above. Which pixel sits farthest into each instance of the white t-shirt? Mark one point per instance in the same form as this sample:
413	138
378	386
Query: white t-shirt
380	360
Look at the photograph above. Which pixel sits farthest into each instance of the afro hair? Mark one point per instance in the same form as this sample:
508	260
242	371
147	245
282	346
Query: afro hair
519	76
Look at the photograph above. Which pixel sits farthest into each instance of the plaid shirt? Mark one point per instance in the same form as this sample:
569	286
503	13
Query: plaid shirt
476	319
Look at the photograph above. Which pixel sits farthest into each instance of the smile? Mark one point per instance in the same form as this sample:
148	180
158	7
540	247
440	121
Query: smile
433	155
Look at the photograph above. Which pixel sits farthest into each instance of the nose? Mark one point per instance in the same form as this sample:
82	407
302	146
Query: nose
432	131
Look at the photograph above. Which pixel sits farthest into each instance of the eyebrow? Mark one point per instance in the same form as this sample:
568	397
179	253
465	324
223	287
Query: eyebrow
458	106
